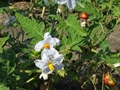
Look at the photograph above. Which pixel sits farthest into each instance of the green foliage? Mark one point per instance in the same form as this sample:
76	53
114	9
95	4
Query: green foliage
2	42
86	50
2	87
35	30
71	24
94	12
116	11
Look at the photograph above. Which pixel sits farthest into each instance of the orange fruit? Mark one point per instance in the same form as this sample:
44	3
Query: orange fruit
84	15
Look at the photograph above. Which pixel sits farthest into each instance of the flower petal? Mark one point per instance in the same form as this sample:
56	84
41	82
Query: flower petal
59	67
61	1
71	4
46	35
39	45
59	59
39	63
116	65
54	41
46	70
45	59
50	52
45	76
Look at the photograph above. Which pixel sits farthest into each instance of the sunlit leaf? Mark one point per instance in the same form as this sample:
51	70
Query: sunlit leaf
34	29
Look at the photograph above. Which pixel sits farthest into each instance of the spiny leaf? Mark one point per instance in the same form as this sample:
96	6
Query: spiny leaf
73	25
34	29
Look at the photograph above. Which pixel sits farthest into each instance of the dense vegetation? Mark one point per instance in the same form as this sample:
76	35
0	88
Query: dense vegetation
59	45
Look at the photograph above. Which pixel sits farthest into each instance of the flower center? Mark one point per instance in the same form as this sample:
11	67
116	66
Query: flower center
47	46
50	65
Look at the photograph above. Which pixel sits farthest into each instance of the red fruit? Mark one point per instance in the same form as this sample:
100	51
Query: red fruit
108	80
84	15
111	83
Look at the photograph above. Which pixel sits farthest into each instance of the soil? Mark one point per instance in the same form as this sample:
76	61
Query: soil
114	39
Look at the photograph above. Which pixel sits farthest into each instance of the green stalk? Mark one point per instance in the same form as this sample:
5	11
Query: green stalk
93	84
31	5
43	11
102	82
30	71
110	6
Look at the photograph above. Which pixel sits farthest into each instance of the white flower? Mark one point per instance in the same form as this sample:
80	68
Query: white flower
49	63
47	43
48	2
50	52
45	76
69	3
116	65
83	23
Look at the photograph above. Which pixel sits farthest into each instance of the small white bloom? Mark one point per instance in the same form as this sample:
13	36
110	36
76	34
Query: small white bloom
45	76
49	63
83	23
48	2
116	65
61	1
69	3
50	52
47	43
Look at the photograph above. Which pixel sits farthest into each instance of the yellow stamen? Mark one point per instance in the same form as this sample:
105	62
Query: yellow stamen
47	45
50	65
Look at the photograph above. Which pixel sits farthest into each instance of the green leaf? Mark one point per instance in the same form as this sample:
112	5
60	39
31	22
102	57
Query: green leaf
2	87
91	10
34	29
105	45
111	58
76	48
10	68
2	42
73	25
116	10
56	17
20	88
61	73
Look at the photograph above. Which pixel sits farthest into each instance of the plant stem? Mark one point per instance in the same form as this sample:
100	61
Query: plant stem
93	84
102	82
110	6
30	71
43	11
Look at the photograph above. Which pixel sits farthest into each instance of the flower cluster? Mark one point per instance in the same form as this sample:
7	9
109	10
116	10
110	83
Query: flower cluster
50	58
69	3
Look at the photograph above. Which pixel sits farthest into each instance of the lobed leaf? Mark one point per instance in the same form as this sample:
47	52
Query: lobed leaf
34	29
